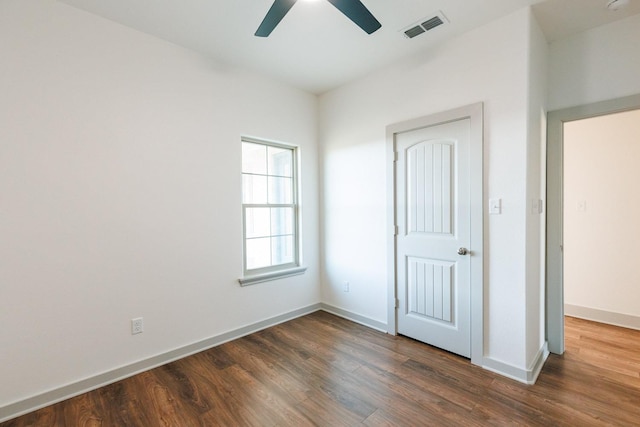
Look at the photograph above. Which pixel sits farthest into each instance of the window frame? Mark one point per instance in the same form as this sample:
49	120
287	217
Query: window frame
273	272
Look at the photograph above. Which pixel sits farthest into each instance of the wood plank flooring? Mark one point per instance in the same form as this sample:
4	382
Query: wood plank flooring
326	371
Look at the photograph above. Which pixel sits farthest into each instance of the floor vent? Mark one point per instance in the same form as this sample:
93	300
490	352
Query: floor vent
424	25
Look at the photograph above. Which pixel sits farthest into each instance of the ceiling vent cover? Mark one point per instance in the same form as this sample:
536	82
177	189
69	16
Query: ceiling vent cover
424	25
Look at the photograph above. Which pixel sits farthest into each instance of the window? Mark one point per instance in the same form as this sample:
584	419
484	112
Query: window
269	211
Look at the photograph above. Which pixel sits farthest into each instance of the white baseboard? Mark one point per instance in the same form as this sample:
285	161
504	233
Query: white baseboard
357	318
602	316
527	376
59	394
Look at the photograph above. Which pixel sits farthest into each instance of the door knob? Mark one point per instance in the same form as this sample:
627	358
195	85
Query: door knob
463	251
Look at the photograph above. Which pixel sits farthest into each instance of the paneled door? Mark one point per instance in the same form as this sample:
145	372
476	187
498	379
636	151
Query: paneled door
433	236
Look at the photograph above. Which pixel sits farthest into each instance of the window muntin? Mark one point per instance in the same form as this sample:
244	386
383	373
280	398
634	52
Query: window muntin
270	211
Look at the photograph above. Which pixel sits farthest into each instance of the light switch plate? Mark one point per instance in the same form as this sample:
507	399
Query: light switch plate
582	206
536	206
495	206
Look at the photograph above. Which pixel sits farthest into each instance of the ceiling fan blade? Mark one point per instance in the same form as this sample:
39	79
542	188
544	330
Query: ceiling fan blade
358	13
278	10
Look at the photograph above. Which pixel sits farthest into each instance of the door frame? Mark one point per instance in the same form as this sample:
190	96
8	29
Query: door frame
555	209
475	113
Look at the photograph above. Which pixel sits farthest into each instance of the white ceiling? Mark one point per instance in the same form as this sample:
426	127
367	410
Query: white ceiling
315	47
561	18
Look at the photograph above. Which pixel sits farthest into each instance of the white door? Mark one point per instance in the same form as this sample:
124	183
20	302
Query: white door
434	224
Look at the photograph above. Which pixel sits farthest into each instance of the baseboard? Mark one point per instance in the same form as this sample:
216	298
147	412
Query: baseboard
12	410
59	394
357	318
602	316
527	376
534	370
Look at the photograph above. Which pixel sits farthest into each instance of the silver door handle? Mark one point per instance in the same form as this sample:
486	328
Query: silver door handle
463	251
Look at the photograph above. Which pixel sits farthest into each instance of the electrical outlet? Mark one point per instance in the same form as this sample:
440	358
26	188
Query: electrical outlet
345	287
137	326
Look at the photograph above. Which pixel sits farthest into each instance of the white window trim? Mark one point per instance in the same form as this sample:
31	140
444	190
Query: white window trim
274	275
294	268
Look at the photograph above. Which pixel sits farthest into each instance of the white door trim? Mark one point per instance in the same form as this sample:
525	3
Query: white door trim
554	261
473	112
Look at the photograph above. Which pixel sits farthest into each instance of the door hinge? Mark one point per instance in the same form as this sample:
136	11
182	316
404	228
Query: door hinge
395	230
397	303
395	156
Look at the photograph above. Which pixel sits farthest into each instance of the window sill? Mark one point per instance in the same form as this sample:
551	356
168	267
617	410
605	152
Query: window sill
274	275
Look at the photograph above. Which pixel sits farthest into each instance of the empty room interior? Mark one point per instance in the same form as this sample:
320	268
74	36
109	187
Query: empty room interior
325	212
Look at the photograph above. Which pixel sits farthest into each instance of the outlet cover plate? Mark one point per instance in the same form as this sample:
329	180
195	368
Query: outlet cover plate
137	326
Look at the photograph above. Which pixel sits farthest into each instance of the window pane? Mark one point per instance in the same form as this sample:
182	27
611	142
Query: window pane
280	190
281	221
254	189
282	250
254	158
257	222
268	204
280	161
258	253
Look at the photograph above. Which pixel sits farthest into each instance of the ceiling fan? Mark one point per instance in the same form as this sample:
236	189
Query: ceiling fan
353	9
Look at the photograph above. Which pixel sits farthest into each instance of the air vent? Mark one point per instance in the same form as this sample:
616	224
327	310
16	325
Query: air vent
414	31
424	25
432	23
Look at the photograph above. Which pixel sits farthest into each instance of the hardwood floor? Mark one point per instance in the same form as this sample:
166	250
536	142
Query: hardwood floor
324	370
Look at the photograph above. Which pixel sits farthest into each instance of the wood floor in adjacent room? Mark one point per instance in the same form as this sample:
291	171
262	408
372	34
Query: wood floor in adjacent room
324	370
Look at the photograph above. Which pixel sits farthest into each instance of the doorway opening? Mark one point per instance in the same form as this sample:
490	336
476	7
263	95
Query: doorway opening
591	152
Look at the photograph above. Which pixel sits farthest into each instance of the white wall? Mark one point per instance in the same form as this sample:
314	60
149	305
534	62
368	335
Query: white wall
536	197
595	65
601	229
490	64
120	195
